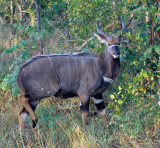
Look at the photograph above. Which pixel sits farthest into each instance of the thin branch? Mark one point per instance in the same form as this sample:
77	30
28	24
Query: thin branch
11	9
113	24
2	20
109	26
88	17
137	6
130	19
84	44
37	15
78	40
20	12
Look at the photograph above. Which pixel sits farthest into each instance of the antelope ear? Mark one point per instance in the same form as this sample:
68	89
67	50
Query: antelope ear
101	38
122	38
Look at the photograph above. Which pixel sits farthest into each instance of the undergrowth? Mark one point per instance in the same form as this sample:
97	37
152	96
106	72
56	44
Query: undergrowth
61	127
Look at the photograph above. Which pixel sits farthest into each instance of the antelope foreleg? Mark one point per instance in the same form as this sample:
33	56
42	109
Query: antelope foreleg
103	114
99	102
84	106
84	118
24	101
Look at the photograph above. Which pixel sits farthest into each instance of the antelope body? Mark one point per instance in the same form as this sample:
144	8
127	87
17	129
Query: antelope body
81	74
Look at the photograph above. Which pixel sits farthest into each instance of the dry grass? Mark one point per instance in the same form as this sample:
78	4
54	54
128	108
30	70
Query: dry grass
63	129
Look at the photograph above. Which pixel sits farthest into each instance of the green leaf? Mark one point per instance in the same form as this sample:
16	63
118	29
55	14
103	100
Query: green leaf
142	58
158	28
41	35
36	34
120	102
112	96
149	50
10	50
157	49
23	43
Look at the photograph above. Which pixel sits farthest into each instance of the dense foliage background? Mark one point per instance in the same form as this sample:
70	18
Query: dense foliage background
32	27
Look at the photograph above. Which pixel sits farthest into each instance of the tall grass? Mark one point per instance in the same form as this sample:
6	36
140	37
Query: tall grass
62	128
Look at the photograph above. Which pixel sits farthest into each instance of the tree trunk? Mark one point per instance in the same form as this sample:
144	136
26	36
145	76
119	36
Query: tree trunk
11	8
20	12
2	20
40	42
37	15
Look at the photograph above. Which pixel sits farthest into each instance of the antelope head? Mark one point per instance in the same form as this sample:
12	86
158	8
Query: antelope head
112	42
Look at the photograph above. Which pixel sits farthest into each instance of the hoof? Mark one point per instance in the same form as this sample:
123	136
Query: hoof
34	123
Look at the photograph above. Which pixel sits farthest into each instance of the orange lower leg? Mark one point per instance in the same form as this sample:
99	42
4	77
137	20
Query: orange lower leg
21	120
24	101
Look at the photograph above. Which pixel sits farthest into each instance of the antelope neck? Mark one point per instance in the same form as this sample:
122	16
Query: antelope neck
109	65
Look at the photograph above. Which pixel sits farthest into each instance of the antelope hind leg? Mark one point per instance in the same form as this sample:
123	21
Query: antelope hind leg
22	116
24	101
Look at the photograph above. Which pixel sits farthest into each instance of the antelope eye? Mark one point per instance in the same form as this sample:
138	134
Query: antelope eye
109	44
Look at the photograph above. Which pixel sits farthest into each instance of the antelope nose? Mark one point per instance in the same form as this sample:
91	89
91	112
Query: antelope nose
116	55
